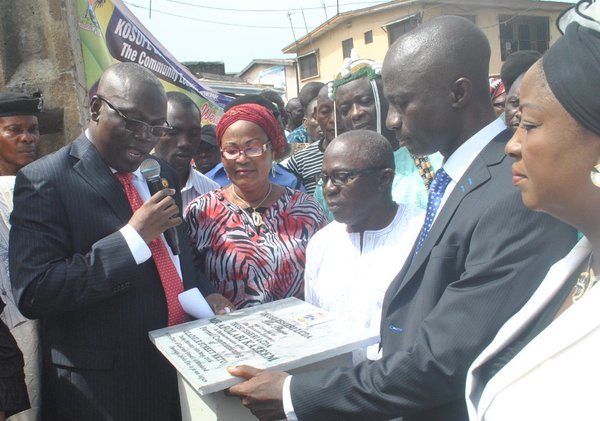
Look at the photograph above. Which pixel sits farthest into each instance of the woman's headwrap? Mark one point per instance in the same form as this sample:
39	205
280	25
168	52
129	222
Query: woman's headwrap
258	115
496	87
572	68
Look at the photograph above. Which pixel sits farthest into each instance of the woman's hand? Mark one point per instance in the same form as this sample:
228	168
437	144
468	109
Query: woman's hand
219	304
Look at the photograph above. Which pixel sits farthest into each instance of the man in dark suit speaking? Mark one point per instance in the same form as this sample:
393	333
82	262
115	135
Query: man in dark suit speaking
478	258
87	258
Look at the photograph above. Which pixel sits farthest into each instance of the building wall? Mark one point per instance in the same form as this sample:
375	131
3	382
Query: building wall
41	51
291	88
329	44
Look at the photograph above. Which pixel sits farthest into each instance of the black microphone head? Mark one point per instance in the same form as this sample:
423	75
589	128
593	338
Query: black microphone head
150	169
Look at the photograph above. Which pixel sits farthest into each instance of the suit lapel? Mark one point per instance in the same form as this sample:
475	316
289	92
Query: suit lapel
97	174
562	332
475	176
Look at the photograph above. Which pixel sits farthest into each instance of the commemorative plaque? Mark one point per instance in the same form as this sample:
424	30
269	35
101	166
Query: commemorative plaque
287	335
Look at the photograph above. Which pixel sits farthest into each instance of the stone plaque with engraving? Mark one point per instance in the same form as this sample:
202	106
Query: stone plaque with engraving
282	335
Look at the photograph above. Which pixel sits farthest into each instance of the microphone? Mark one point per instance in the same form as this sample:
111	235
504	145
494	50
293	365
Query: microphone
150	169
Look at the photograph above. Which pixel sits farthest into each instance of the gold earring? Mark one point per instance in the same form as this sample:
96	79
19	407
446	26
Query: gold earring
595	175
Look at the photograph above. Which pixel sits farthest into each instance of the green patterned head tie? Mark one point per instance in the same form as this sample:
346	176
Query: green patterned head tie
353	71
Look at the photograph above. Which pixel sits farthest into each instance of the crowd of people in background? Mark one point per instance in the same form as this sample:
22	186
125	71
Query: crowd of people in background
419	198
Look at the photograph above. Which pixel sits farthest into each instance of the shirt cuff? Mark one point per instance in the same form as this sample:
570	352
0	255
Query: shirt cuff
137	246
288	408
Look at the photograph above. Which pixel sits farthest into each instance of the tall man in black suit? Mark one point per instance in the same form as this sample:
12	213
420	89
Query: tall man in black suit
479	256
80	260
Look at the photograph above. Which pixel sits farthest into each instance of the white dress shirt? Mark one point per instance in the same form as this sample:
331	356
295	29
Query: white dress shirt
456	166
197	184
11	315
459	162
348	277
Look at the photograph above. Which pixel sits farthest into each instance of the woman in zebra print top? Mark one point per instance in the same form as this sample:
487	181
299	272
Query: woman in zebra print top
250	237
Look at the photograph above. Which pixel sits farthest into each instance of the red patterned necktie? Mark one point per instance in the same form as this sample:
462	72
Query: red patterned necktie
171	281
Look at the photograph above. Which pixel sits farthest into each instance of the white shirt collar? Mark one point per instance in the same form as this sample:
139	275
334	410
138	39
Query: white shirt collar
457	164
192	181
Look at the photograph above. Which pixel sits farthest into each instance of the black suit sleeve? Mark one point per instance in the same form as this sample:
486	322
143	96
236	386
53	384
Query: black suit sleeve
509	253
13	393
48	275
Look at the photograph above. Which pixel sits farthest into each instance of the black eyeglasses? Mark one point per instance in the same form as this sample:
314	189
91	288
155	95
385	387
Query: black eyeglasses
138	127
249	151
341	178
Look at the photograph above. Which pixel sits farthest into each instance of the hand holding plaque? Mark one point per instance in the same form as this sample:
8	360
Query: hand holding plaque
262	392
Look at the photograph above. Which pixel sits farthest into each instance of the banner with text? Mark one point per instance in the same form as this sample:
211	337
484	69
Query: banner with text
110	33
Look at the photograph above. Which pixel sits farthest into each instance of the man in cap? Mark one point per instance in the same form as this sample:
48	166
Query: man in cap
179	145
87	258
208	154
19	139
19	131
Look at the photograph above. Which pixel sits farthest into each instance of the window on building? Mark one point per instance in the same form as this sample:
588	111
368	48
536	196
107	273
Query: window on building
347	46
308	65
396	29
368	37
523	33
472	18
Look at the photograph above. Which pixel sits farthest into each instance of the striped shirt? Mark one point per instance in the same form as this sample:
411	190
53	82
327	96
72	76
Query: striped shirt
307	164
197	184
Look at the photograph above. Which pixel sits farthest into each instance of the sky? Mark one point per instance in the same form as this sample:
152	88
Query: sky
235	31
199	30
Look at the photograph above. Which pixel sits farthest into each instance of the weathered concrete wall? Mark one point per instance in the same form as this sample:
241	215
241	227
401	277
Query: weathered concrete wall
40	51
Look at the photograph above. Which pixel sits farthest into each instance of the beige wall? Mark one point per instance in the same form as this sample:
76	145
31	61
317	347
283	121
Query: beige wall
330	43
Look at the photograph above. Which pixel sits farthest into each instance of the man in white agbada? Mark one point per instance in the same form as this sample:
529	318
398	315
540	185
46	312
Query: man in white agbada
351	262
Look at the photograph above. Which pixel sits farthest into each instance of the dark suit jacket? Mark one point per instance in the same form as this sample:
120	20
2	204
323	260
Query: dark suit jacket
72	269
483	258
13	393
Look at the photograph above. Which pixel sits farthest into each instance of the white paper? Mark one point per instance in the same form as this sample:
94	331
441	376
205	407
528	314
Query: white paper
194	304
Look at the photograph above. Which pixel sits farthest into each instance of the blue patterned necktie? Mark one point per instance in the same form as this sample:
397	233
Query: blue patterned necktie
436	192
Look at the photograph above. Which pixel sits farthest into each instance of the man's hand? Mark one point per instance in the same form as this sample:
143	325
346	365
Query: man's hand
262	393
156	216
219	304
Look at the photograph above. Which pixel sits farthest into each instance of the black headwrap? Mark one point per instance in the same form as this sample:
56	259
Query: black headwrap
572	68
19	104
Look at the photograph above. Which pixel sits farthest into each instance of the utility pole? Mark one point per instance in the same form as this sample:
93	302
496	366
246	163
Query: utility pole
150	10
337	3
304	17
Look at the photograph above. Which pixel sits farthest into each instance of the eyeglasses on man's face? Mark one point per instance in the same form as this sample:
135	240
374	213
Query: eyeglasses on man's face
136	126
343	177
230	152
